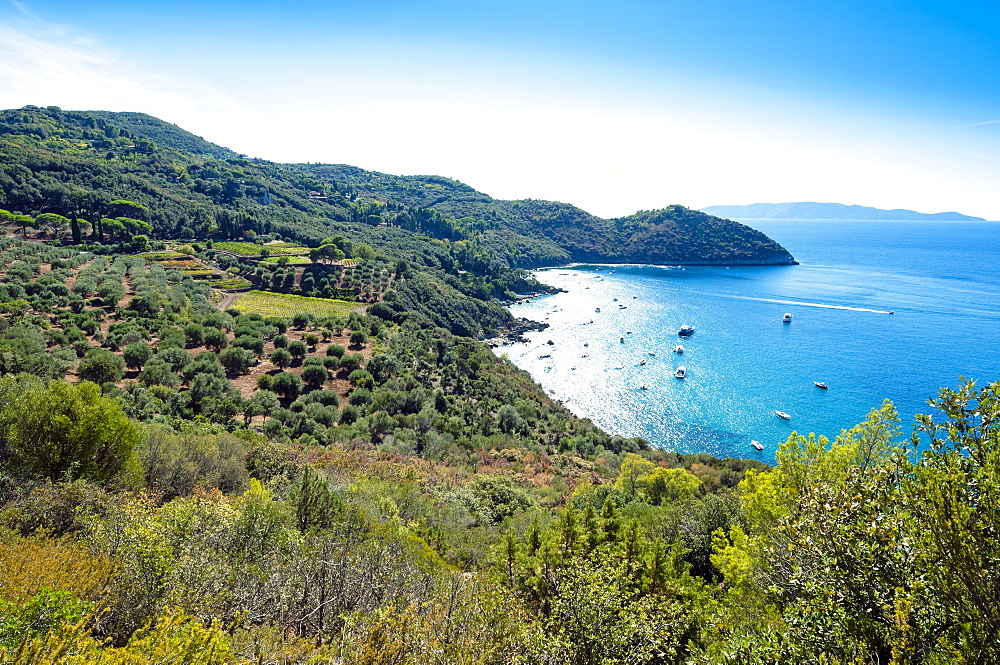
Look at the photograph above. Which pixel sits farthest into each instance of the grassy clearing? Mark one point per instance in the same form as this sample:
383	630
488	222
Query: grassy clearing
162	256
241	248
251	249
180	263
238	283
266	303
292	260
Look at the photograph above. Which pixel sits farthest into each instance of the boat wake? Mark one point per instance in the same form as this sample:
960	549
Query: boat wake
813	304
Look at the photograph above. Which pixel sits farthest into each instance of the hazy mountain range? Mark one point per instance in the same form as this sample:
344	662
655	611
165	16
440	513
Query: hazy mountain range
810	210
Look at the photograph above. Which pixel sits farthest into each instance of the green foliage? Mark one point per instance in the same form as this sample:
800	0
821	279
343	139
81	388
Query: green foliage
159	372
287	385
38	616
179	463
953	496
101	366
314	375
61	432
281	357
298	349
450	511
236	360
317	506
136	355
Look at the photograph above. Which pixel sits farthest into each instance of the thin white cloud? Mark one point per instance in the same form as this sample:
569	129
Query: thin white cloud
44	63
977	124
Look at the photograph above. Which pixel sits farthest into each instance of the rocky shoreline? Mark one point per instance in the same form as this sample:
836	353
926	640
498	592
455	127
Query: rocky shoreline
514	334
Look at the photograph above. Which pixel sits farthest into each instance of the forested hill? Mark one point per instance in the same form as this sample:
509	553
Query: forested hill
675	234
810	210
165	162
163	133
123	176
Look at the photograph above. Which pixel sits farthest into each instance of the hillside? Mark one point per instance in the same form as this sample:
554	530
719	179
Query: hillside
188	184
806	210
244	419
675	235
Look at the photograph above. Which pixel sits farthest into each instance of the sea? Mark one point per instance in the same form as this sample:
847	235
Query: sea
880	310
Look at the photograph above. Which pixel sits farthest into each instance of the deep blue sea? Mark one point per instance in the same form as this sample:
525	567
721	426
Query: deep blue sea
940	280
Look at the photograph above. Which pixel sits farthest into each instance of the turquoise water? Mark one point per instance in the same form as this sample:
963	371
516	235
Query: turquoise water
743	363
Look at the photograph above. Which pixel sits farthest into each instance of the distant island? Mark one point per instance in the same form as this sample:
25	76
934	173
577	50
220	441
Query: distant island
810	210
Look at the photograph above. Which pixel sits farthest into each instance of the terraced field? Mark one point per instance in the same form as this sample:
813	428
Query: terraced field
266	303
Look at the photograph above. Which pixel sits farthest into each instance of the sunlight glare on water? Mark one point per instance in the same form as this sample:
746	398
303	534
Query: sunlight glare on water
743	363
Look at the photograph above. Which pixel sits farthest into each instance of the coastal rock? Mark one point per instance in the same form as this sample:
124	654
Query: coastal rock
514	333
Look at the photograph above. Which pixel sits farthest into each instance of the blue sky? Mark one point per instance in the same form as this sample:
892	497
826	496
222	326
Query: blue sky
612	106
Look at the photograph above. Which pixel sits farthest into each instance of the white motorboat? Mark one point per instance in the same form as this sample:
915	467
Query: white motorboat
782	415
787	318
681	372
756	444
678	349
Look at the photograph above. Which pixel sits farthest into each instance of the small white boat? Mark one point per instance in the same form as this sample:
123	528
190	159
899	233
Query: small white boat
782	415
597	309
820	384
756	444
642	362
787	318
686	331
678	349
681	372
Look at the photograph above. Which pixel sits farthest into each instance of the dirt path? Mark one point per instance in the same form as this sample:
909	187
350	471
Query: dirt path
226	299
